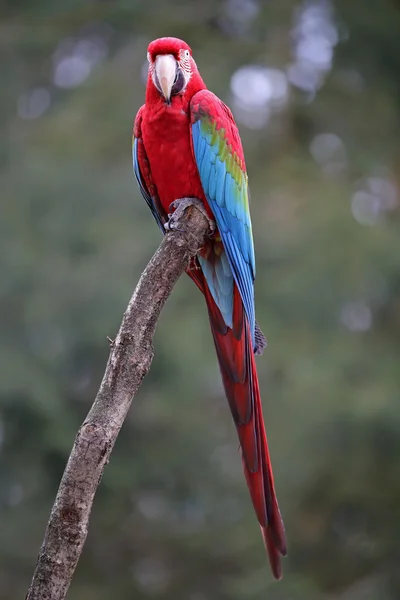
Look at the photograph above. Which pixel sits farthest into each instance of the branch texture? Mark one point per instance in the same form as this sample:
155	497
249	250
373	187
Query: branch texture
130	359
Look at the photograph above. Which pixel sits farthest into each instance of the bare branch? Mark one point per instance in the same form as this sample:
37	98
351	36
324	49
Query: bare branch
130	358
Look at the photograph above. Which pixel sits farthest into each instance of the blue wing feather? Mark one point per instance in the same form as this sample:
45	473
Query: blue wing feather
228	201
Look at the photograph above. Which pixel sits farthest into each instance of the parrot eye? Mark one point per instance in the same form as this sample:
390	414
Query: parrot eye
186	53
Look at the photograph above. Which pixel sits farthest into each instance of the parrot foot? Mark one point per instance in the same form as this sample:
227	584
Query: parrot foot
180	205
260	340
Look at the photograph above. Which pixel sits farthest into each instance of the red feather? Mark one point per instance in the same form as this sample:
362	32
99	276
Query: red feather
239	375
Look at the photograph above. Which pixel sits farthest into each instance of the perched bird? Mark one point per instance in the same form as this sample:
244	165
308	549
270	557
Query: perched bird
186	146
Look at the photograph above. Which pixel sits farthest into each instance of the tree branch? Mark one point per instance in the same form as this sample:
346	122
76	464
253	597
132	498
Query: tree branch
129	361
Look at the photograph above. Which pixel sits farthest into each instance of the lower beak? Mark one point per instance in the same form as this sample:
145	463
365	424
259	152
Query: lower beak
166	73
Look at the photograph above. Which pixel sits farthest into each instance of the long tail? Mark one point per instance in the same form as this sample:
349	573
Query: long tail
239	374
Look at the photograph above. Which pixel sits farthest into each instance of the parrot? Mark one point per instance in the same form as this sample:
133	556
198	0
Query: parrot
187	150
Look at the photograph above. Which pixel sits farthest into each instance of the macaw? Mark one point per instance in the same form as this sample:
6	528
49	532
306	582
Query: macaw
186	145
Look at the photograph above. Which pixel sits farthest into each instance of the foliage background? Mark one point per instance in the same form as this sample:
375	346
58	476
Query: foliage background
172	518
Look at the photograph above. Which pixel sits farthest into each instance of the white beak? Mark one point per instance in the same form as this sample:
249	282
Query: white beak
166	73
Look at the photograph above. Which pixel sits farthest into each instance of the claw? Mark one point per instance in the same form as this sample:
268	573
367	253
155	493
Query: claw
260	340
179	206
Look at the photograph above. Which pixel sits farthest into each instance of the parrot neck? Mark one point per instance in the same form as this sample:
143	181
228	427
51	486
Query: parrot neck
155	100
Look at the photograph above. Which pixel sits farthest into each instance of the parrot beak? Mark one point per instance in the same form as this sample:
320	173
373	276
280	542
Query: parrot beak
166	74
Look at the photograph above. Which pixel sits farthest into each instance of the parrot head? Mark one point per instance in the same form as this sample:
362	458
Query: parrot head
172	69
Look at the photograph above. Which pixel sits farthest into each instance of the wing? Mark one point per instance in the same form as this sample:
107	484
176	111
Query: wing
142	172
219	157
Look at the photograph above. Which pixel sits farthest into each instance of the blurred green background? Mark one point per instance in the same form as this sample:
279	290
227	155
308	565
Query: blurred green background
315	89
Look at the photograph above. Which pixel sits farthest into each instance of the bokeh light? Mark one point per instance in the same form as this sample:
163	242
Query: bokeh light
33	104
256	92
314	38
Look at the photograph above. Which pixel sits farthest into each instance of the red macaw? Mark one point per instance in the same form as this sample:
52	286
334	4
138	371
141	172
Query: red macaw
186	145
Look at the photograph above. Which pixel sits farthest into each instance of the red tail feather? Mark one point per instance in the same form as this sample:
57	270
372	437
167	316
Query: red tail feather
239	375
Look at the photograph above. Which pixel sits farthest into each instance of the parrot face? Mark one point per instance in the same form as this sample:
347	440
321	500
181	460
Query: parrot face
171	66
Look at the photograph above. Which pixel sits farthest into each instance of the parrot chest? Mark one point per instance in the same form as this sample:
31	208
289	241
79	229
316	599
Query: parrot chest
167	141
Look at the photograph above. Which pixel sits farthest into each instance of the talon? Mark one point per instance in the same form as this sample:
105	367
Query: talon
260	340
212	227
180	205
173	205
